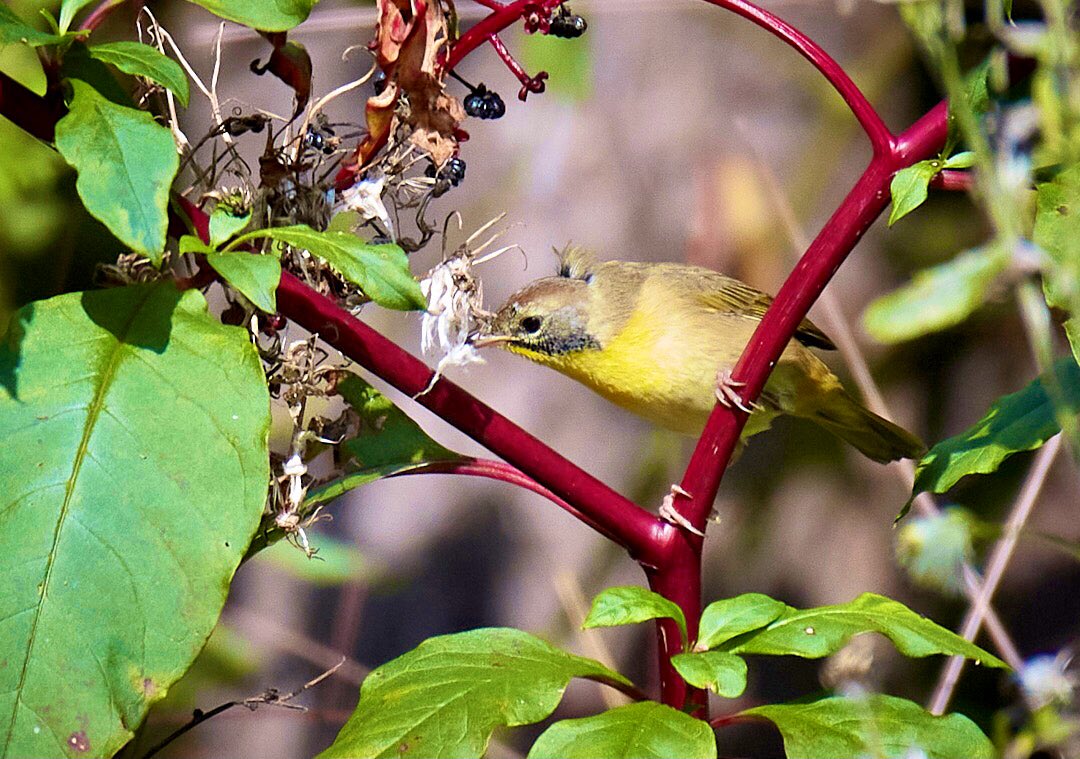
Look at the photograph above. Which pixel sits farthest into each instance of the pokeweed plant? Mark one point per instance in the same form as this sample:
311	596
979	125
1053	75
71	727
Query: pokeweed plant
131	494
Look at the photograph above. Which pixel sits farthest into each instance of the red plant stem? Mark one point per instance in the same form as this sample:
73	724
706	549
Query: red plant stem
29	111
528	83
492	24
628	524
833	244
498	470
953	180
881	138
99	14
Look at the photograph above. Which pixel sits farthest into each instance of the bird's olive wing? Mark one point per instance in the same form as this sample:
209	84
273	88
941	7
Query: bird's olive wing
731	295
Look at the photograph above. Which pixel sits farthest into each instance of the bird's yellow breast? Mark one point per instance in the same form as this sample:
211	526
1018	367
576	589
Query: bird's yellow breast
661	364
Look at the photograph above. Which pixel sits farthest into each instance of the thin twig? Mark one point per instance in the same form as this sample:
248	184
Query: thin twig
1000	556
269	697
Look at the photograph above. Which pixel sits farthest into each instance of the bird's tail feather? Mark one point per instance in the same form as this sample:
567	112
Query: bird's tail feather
877	438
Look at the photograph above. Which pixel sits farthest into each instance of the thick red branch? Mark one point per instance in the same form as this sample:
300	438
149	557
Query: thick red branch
803	286
534	465
622	520
498	470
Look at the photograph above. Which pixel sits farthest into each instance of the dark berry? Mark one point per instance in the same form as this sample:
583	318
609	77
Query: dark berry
454	170
379	82
567	25
474	104
496	105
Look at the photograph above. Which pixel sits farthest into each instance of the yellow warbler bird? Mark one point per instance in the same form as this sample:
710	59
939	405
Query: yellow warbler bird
660	340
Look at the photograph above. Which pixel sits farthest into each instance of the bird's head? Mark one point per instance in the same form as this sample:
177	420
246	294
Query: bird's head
547	320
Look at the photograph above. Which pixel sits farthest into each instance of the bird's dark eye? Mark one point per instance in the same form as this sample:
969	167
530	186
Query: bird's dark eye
531	324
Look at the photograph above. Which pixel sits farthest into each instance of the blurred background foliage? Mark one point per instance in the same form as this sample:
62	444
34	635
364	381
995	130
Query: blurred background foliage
670	131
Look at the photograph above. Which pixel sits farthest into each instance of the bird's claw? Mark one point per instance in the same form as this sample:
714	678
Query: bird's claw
727	392
669	513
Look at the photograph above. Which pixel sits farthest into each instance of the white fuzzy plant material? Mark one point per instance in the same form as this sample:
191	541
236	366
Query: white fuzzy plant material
454	313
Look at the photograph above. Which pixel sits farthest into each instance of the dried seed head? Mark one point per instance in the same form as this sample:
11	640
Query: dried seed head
455	311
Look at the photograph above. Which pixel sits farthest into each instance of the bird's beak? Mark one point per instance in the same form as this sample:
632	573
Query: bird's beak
483	341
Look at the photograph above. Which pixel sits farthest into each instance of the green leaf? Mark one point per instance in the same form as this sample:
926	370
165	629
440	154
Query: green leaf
335	562
1057	231
910	187
14	30
138	59
381	271
389	442
255	276
824	630
276	16
880	726
192	244
68	9
1022	421
936	298
963	160
629	605
133	474
721	672
723	620
645	730
126	163
224	225
446	696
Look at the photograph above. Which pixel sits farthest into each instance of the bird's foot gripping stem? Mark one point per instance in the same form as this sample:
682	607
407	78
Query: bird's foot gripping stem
669	513
727	392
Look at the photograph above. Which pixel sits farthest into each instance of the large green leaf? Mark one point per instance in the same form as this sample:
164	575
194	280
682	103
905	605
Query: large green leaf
446	696
132	476
936	298
13	30
879	726
723	620
630	605
264	15
824	630
1057	231
138	59
126	163
1022	421
646	730
389	442
381	271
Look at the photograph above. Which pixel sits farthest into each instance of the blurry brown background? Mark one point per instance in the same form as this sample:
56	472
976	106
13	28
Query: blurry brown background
671	131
